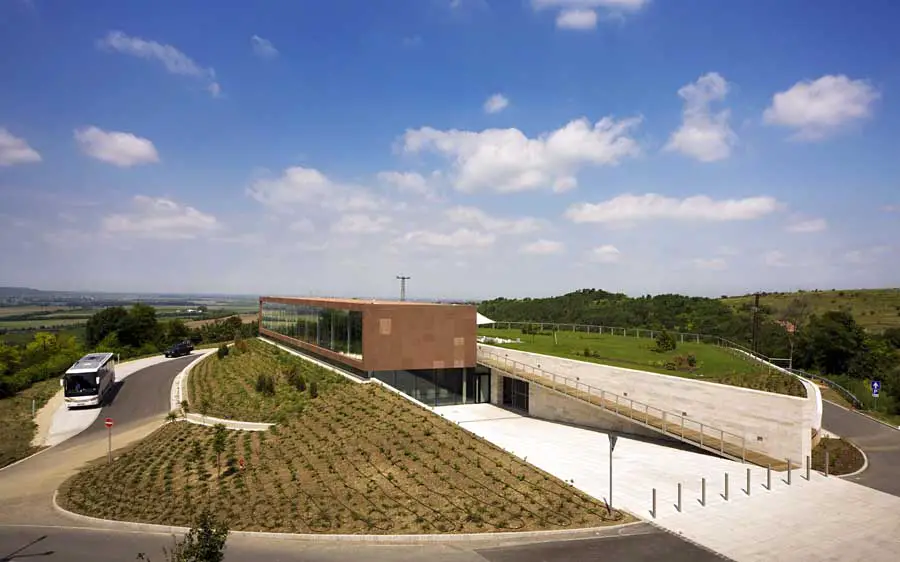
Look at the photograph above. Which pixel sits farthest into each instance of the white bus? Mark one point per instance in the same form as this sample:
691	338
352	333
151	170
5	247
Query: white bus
88	380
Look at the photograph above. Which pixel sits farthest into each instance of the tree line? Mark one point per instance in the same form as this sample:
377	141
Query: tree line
128	332
830	344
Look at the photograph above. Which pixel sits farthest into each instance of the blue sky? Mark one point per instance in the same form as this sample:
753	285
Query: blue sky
482	147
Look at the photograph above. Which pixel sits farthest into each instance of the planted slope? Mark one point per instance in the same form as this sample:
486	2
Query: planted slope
714	364
226	388
359	459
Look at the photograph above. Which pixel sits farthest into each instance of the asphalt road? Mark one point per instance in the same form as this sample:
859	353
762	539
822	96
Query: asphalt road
880	443
138	407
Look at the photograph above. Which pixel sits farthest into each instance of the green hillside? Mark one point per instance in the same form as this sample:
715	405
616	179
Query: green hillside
873	309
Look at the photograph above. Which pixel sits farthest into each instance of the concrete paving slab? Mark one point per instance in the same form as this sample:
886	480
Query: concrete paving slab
764	525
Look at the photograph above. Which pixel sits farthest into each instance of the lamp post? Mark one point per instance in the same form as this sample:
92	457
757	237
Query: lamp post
403	279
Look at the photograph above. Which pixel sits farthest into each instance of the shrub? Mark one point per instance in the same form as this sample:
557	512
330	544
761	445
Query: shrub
313	389
294	377
587	352
265	384
222	351
665	342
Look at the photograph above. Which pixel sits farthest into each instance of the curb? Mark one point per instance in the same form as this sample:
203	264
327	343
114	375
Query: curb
864	466
863	414
587	532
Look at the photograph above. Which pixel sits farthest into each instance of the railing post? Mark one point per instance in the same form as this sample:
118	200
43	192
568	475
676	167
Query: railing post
664	421
722	441
748	482
682	427
602	399
701	435
726	486
647	414
744	449
679	497
703	492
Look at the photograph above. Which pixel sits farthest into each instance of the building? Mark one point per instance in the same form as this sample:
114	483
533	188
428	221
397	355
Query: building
425	350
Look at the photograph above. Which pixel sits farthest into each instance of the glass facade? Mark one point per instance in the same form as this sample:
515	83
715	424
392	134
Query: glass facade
439	387
333	329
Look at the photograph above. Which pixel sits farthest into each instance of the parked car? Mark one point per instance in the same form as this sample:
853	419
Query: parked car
179	349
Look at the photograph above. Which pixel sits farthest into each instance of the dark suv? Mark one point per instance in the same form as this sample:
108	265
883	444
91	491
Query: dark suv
179	349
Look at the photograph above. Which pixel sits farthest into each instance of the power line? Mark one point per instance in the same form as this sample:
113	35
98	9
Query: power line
403	280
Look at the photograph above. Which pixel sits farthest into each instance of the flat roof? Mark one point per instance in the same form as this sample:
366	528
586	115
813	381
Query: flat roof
90	362
335	300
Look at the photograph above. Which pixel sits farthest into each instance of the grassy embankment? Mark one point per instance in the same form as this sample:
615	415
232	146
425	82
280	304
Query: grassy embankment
355	459
16	425
713	363
843	458
873	309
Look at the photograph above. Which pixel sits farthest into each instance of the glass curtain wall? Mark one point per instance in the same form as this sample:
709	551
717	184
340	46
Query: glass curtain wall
333	329
434	387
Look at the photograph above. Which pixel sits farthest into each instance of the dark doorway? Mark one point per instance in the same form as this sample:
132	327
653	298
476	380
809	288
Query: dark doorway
515	394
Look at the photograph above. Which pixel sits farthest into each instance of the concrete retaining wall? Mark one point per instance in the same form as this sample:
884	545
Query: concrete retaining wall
777	425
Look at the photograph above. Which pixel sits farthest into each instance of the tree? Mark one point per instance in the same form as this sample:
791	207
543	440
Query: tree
665	342
177	330
103	323
139	326
204	542
832	342
218	444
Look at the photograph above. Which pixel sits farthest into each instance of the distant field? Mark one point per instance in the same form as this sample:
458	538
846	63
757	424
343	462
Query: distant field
874	309
714	364
245	318
29	309
46	322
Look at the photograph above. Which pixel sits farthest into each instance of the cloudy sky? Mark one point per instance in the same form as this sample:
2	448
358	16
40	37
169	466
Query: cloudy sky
482	147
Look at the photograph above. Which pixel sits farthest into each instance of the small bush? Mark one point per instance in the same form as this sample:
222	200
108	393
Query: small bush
313	389
587	352
665	342
265	384
294	377
222	352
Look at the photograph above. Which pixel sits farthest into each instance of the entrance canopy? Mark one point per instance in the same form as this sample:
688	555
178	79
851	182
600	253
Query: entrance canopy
481	319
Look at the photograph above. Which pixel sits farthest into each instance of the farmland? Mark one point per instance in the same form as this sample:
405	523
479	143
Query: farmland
873	309
245	318
225	388
358	459
713	363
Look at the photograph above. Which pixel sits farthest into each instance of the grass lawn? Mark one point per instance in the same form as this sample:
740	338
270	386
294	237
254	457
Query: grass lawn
16	426
843	458
358	459
714	364
874	309
227	386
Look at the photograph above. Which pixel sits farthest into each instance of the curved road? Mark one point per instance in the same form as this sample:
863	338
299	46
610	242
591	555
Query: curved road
880	443
31	528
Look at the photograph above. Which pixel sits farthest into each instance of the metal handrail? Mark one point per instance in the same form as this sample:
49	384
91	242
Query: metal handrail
681	423
849	395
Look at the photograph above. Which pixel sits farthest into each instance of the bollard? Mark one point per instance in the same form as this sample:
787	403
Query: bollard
679	497
789	471
748	482
808	463
769	477
653	511
726	486
703	492
826	463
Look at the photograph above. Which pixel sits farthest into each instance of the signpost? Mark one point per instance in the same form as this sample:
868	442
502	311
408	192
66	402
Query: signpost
612	445
876	388
109	424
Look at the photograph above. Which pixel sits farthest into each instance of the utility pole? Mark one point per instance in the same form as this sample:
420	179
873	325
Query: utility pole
403	280
755	322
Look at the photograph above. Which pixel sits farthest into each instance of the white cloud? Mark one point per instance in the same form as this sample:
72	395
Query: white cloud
506	160
496	103
172	59
161	218
817	109
542	248
612	8
460	239
114	147
867	255
14	150
775	258
806	226
606	253
302	225
703	135
651	206
576	19
296	185
263	47
713	264
409	182
476	217
358	223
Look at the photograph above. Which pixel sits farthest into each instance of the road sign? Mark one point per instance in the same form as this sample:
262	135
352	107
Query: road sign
612	442
876	388
109	422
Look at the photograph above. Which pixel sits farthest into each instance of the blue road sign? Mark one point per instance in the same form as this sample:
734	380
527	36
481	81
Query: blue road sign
876	387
